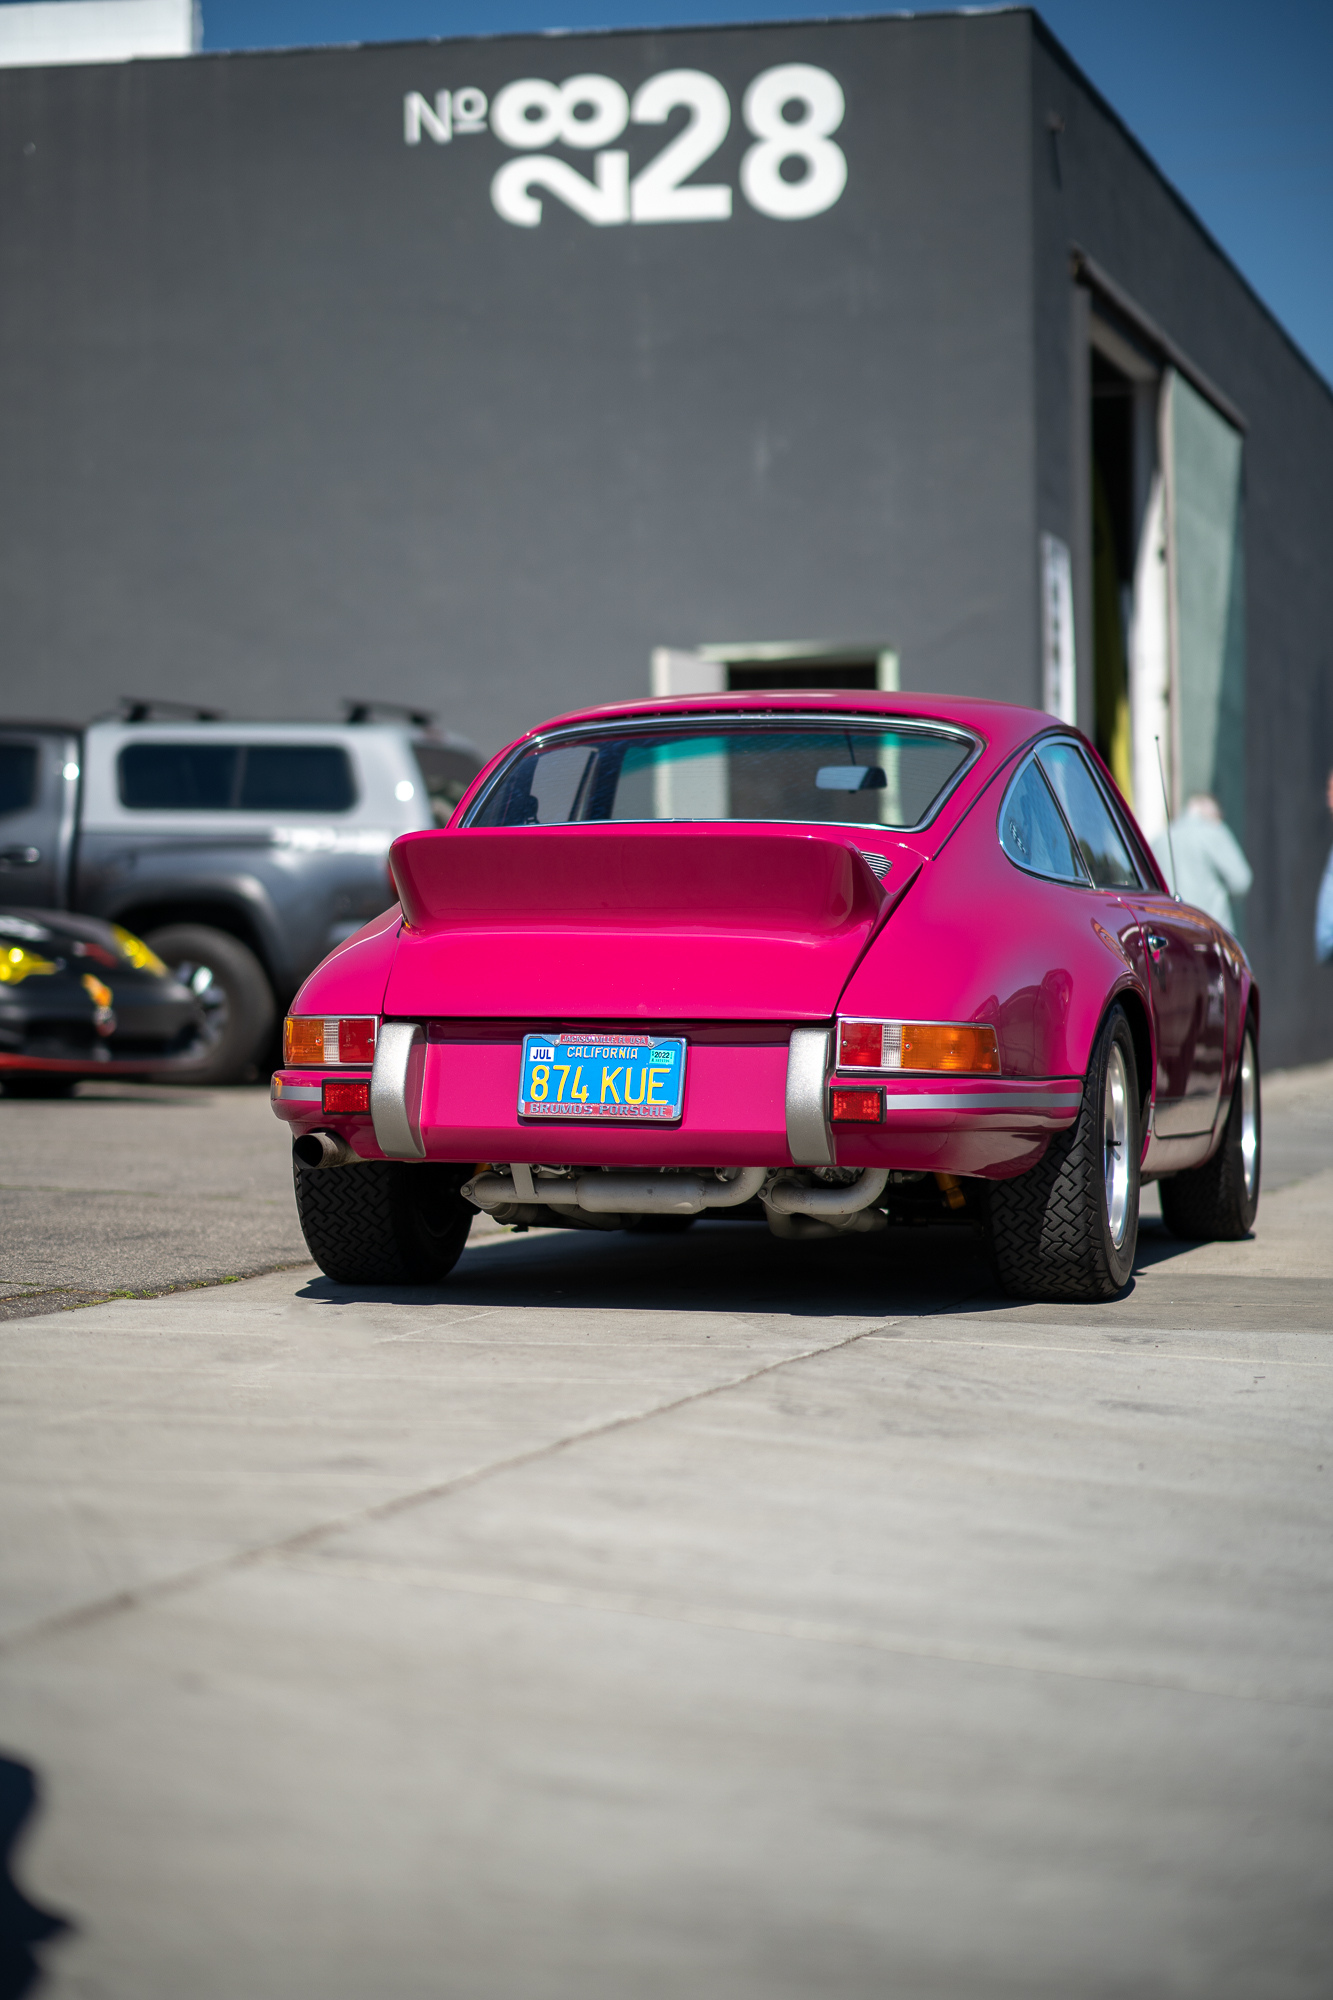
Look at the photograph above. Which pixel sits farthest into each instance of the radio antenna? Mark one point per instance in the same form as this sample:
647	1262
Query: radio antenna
1170	844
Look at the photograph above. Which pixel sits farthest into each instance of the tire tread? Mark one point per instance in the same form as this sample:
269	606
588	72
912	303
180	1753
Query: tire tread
362	1224
1041	1242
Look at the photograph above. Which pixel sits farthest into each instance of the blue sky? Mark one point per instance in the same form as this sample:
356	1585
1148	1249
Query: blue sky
1234	100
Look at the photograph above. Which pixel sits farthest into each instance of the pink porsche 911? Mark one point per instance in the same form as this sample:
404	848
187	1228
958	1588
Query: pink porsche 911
824	963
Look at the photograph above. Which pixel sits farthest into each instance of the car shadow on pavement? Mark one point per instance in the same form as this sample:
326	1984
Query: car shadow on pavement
714	1268
1158	1246
729	1267
22	1923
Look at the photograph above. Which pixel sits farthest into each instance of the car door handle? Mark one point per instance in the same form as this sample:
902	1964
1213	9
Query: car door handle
20	857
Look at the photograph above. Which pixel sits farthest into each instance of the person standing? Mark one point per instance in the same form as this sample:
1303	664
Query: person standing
1209	866
1323	909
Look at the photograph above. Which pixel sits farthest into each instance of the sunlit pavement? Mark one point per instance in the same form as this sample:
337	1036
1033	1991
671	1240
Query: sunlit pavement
706	1616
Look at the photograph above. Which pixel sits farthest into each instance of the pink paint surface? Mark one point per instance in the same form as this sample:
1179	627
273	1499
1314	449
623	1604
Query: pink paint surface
734	1110
628	923
623	924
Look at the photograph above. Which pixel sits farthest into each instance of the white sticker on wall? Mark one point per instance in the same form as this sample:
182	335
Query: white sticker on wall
1059	686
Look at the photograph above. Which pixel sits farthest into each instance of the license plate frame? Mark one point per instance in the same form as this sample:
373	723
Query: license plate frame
606	1099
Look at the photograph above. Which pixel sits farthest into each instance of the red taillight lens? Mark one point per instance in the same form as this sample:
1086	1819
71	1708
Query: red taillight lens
857	1107
313	1039
350	1096
860	1044
356	1040
966	1047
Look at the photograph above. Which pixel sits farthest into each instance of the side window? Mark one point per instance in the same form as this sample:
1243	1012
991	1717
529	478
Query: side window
177	777
229	777
1099	839
296	777
1032	833
18	777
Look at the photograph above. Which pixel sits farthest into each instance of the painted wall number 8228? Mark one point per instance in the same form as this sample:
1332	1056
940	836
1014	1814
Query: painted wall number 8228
791	113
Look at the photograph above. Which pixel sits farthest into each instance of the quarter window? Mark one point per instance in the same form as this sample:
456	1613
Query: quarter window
1033	832
1100	841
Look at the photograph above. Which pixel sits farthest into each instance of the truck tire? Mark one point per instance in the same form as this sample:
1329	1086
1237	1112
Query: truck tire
1217	1202
1068	1228
384	1222
239	1008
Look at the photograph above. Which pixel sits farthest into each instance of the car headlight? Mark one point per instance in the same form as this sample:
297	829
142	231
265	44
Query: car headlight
17	964
140	955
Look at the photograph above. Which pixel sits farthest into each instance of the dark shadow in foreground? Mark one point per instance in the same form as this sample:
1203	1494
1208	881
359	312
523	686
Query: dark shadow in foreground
22	1924
715	1267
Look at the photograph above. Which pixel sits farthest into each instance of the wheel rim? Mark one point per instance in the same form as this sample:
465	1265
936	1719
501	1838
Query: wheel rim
211	994
1115	1146
1249	1117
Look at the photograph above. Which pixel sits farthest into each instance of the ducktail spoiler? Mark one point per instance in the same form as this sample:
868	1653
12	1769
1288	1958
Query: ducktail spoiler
786	881
617	924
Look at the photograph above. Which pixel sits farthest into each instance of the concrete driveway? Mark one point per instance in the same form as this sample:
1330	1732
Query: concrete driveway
706	1616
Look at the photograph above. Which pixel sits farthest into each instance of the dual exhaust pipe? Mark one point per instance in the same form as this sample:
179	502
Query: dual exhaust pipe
677	1194
787	1201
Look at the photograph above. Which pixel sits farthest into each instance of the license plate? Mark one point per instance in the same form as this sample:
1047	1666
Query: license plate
626	1078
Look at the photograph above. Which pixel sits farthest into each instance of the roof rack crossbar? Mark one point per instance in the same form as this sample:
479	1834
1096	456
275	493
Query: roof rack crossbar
365	711
139	709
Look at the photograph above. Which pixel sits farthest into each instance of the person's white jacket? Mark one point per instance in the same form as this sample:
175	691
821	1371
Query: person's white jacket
1209	866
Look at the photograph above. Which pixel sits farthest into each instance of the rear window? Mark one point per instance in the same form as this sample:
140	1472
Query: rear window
236	777
856	774
18	777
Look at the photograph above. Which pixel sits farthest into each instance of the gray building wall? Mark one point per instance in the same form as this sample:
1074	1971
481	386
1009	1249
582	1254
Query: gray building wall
291	414
299	416
1094	188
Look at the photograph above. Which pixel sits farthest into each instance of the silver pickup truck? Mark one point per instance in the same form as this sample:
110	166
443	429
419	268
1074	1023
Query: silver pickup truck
241	852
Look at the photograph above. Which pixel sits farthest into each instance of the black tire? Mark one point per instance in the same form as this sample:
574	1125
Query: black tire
35	1084
239	1008
385	1222
1217	1202
1050	1229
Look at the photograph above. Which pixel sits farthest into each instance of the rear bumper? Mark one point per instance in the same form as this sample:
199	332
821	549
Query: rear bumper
745	1105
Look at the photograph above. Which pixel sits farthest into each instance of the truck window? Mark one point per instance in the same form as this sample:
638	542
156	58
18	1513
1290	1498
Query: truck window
446	775
233	777
177	777
18	777
289	777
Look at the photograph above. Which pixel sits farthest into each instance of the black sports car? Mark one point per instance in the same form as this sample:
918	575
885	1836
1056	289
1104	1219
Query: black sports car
80	998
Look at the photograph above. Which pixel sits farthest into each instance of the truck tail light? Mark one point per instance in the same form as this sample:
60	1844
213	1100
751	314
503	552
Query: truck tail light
314	1039
957	1047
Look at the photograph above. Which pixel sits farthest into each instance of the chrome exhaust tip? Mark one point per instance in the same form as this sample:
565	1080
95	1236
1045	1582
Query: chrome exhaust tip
323	1149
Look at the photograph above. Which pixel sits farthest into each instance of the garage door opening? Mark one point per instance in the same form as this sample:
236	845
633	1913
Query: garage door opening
784	668
1166	565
